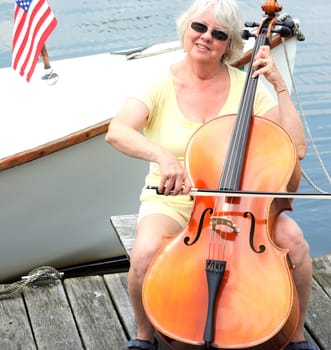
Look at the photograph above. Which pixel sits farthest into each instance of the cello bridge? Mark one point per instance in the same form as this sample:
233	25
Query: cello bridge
223	224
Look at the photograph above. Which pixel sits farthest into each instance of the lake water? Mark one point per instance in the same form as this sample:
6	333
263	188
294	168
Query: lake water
90	27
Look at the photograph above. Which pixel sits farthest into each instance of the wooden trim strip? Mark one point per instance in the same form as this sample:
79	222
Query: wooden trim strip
54	146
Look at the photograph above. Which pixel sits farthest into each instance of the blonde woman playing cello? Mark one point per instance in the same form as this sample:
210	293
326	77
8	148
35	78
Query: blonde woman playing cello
197	89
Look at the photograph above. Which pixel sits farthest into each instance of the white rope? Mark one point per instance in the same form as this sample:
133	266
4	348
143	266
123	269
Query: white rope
311	139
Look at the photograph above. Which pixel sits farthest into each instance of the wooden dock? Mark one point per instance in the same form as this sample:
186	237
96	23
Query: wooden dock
94	312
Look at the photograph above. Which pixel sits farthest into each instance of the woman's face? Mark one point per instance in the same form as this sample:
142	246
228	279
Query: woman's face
204	42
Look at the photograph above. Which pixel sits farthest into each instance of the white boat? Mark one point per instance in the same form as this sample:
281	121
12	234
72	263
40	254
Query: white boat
59	181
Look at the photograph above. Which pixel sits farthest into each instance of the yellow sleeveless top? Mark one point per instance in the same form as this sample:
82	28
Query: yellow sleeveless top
168	127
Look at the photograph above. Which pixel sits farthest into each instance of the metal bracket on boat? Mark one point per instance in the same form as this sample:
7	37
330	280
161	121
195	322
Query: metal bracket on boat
42	276
50	77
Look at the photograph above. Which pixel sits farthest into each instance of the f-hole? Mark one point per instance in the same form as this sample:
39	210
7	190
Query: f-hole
252	233
198	233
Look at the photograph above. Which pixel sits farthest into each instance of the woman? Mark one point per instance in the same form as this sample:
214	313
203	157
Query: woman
197	89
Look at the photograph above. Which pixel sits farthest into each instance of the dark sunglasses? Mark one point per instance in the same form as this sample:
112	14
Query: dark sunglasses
215	33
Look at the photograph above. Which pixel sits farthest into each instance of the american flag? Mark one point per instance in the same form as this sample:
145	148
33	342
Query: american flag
34	21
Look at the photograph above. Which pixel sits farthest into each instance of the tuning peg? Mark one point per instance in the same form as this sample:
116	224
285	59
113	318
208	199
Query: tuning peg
246	34
251	24
283	31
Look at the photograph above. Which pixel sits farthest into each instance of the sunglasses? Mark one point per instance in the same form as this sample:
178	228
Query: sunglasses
215	33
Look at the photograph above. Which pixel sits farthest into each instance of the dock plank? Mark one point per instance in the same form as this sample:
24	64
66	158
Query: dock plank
322	272
15	331
94	312
51	318
125	227
318	320
118	286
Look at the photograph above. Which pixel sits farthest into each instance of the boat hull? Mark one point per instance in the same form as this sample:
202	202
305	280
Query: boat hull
56	209
60	182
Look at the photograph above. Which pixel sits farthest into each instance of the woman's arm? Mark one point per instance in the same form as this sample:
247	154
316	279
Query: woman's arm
124	133
285	114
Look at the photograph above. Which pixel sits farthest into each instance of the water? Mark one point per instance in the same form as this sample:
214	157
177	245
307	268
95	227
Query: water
89	27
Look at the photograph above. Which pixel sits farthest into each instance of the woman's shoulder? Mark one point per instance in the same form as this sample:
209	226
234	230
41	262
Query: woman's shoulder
236	72
158	82
237	80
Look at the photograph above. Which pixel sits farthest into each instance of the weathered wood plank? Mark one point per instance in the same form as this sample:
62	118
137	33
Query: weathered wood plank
318	320
322	272
95	315
118	287
15	332
319	314
51	318
124	226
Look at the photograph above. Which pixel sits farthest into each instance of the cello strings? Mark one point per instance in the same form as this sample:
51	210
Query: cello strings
230	176
240	131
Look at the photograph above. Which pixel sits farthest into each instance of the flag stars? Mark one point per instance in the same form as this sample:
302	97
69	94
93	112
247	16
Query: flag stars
24	4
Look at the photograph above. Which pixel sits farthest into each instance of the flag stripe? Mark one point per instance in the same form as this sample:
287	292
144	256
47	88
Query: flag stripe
27	36
25	23
31	30
39	44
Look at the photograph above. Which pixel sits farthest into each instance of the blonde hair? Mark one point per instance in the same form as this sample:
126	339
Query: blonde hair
227	15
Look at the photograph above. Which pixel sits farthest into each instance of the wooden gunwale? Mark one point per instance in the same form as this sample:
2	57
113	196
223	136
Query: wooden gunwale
53	146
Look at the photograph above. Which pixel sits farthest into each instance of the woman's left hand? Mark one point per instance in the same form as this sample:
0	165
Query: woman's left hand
264	64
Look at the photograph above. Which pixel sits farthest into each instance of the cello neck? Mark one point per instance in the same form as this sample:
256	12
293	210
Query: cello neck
233	167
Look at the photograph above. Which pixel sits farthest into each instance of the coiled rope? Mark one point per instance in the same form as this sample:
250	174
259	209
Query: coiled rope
44	275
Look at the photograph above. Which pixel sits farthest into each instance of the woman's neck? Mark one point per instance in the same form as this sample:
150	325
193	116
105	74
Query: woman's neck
202	71
198	74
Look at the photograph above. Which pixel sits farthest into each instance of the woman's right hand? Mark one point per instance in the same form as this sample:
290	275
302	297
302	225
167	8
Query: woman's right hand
174	177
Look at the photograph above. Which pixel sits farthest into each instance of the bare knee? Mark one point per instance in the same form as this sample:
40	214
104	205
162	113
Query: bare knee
141	256
289	235
140	260
152	231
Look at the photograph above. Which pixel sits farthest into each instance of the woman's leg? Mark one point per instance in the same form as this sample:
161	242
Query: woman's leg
289	235
151	231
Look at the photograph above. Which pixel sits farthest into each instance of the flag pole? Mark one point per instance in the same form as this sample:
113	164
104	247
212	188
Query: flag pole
44	55
50	76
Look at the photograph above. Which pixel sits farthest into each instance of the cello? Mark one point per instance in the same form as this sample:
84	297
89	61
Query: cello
222	282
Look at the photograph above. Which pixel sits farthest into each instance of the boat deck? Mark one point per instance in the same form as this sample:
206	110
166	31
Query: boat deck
94	312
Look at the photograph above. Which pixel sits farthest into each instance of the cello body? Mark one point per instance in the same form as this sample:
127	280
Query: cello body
255	304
